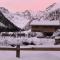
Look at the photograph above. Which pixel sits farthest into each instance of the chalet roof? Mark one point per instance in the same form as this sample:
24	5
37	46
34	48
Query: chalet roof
45	22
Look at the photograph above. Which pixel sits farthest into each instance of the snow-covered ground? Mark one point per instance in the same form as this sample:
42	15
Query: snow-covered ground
35	40
30	55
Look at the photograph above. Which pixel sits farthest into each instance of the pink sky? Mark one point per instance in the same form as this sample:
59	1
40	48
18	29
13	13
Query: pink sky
21	5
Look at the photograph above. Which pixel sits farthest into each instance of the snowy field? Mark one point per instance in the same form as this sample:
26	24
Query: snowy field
37	41
30	55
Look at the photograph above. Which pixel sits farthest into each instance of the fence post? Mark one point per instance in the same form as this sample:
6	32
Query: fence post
18	51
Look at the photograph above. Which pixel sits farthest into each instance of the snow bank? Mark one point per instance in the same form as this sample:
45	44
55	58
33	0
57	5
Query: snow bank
30	55
39	55
40	41
18	40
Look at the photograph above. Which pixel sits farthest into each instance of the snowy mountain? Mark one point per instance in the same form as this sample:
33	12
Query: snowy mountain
50	7
30	15
23	19
4	10
20	19
25	14
16	19
53	12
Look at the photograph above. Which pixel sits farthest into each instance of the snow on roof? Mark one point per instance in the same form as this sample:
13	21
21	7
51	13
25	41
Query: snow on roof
45	22
19	21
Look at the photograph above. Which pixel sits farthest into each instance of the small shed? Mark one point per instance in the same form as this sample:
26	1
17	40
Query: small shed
45	26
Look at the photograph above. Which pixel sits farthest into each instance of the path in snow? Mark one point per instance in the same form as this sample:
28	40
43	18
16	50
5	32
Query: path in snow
30	55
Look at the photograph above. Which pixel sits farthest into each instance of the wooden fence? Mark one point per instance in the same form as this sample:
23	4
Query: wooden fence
17	49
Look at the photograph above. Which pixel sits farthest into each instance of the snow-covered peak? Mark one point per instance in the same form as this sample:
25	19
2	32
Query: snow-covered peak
19	13
53	7
4	10
40	14
25	14
18	21
33	13
21	22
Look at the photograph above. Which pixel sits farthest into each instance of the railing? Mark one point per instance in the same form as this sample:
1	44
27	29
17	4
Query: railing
17	49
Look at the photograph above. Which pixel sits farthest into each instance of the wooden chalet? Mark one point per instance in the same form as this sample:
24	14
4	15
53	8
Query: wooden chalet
47	27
